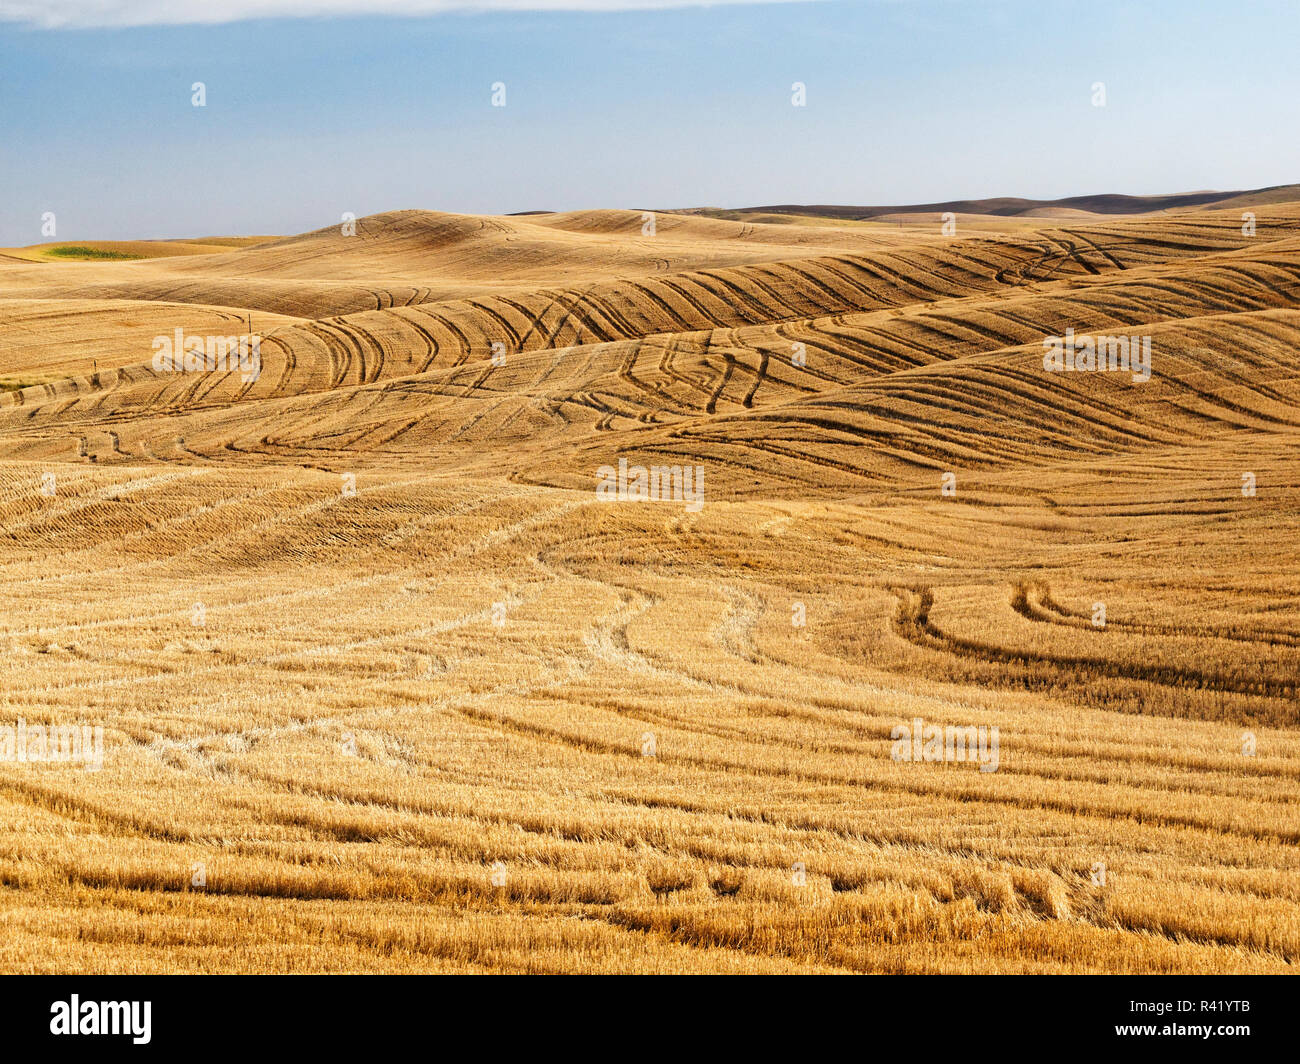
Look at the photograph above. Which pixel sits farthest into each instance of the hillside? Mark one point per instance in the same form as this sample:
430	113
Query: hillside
373	653
1014	207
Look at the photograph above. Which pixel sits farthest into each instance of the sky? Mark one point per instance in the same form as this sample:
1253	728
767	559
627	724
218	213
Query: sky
319	107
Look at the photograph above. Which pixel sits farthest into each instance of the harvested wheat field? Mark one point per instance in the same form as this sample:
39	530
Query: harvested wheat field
398	671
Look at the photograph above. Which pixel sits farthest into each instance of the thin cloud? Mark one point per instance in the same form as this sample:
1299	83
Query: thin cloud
78	14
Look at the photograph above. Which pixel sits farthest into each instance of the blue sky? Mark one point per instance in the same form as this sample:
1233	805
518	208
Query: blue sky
907	101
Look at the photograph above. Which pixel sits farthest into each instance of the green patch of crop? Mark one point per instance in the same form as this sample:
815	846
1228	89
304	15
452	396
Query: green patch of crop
78	251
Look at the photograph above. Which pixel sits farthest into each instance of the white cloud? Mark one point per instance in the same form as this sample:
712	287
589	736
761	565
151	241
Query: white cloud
69	14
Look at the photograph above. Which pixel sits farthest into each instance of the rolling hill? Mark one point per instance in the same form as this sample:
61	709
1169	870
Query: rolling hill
387	684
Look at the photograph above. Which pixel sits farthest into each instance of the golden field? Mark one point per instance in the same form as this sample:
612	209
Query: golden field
385	686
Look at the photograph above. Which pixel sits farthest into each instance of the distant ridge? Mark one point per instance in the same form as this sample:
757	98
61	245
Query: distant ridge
1011	206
